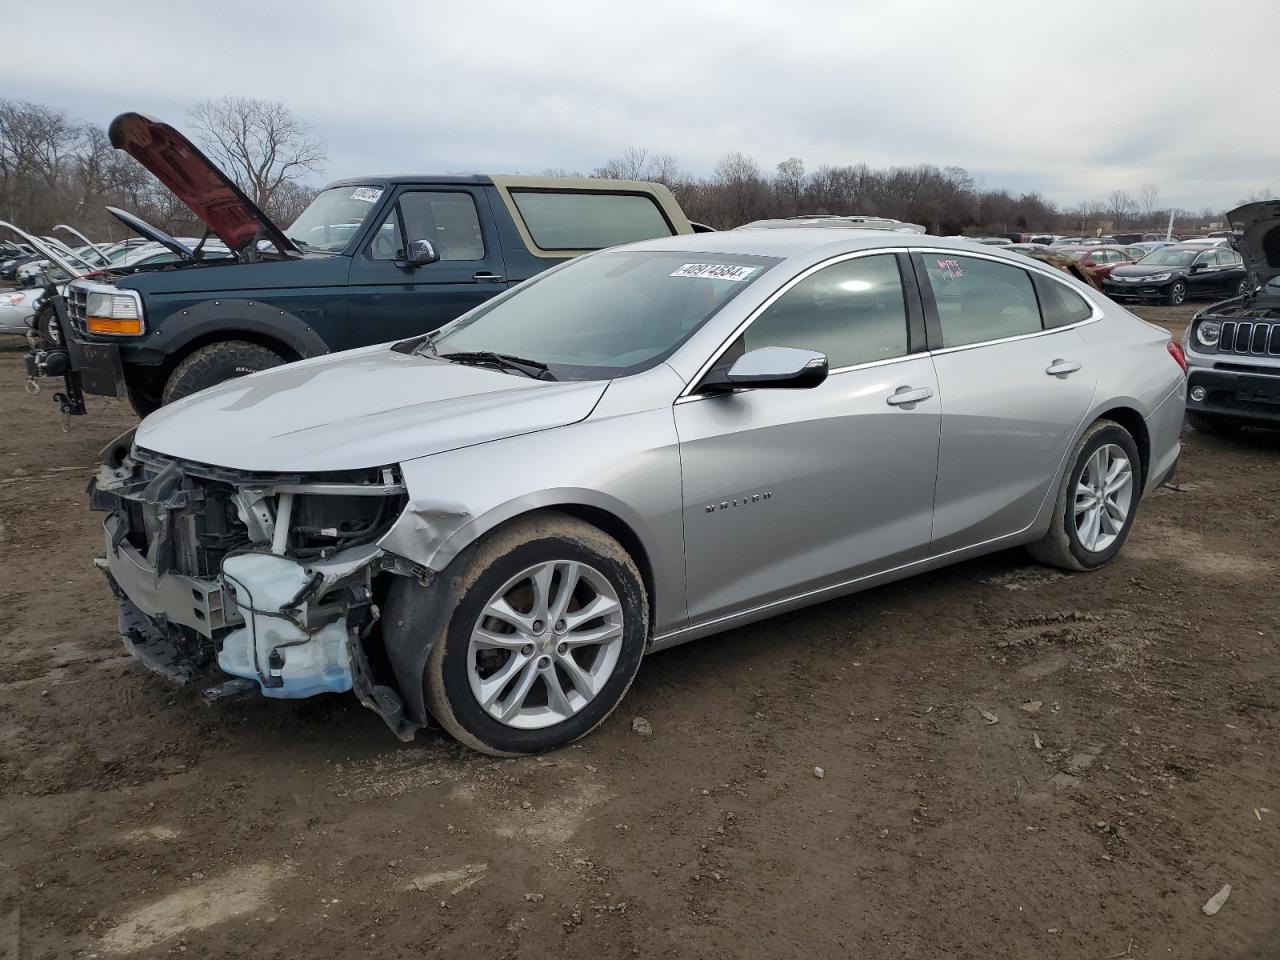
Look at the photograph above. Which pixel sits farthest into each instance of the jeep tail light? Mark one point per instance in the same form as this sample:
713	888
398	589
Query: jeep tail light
1175	351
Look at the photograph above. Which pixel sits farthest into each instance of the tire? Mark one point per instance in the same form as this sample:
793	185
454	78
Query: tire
456	669
1207	423
1063	546
1177	294
50	329
1242	289
214	363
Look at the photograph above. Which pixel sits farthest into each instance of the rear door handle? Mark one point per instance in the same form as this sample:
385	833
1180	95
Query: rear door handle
1060	368
485	277
906	396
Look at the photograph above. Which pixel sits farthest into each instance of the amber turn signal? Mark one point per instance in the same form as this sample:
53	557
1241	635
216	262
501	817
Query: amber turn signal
109	325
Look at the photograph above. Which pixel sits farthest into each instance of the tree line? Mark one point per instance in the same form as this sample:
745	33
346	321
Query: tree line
56	169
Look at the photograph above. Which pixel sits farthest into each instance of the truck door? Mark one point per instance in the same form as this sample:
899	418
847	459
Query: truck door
390	300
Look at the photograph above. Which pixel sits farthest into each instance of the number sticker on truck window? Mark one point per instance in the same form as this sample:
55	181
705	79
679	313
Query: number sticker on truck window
367	194
716	271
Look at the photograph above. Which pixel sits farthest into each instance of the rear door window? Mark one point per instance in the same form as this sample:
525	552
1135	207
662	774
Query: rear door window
582	220
980	300
1059	304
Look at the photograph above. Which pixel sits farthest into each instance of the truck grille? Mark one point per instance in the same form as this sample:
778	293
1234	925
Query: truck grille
1256	339
76	301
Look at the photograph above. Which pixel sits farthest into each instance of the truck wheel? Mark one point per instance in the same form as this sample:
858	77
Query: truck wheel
1206	423
1096	502
545	640
1177	293
49	328
212	364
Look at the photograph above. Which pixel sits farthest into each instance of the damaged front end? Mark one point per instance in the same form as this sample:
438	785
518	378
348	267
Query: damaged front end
274	579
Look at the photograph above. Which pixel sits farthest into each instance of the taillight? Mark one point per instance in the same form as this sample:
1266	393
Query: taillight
1176	351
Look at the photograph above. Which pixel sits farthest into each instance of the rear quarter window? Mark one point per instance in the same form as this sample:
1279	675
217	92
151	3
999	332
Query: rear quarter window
1059	304
579	220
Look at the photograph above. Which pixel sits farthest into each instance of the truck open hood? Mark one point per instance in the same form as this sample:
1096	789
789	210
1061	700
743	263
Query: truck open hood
197	182
362	408
1257	237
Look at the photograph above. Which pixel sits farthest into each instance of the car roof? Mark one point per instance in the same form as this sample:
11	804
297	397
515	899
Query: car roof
803	241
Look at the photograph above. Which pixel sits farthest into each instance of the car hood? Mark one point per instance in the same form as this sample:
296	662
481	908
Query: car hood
1143	270
363	408
1257	238
210	193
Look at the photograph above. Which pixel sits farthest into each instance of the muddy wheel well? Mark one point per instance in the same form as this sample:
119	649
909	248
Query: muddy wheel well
1132	421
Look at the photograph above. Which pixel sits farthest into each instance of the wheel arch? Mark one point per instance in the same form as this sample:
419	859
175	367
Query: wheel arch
226	335
1136	425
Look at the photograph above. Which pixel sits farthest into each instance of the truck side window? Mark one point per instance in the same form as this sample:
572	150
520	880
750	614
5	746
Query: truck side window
446	218
589	220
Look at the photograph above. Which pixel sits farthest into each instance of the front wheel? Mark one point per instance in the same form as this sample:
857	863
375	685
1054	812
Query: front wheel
214	363
546	638
1096	503
1177	294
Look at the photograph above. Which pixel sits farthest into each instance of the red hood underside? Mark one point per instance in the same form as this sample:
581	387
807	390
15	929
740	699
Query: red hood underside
197	182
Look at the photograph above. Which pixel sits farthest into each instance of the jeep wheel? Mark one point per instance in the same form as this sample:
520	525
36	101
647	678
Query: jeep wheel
1177	294
1207	423
212	364
1096	502
545	640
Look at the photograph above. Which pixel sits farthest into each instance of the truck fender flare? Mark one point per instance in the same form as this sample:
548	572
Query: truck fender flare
232	316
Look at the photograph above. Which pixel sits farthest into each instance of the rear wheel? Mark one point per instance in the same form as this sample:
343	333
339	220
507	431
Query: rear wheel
1096	502
214	363
1207	423
1177	294
545	640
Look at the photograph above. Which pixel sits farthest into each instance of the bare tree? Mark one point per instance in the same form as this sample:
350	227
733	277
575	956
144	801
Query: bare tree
790	182
261	144
1119	206
1148	199
637	163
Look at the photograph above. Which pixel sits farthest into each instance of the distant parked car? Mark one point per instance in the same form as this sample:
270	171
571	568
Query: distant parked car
993	241
1174	274
1150	246
17	307
1099	260
1055	258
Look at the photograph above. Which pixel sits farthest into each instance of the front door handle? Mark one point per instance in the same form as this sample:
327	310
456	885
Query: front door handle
486	277
1061	368
908	396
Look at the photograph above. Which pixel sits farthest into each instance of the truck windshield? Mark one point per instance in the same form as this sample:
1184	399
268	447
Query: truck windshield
604	315
333	217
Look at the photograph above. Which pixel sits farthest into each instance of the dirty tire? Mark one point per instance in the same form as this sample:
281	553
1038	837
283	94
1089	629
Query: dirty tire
1207	423
50	328
1177	293
504	553
1061	546
214	363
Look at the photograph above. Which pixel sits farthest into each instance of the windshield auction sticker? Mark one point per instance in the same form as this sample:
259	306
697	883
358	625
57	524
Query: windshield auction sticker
716	271
367	194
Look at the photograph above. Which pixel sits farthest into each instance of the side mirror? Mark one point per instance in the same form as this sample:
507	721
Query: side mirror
779	368
421	253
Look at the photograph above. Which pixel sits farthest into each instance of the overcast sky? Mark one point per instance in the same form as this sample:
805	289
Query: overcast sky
1073	100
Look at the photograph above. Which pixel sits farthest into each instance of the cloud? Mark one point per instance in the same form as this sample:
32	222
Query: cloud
1043	96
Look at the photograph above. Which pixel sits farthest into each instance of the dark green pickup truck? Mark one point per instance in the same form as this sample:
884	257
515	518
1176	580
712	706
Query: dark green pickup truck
371	259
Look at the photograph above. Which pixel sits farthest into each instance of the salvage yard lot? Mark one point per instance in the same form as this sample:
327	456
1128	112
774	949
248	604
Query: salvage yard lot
1132	770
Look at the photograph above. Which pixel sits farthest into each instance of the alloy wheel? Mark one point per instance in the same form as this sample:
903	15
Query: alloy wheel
1104	497
545	644
1179	292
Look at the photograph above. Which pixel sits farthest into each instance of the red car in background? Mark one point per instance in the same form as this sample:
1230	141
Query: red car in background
1099	260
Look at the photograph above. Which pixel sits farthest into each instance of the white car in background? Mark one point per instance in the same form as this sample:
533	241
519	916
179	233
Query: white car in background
17	307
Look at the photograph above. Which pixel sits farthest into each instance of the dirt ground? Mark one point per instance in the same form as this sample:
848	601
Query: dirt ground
1133	771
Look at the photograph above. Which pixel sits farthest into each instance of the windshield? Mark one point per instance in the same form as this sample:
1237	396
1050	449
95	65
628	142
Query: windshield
1169	257
333	217
605	315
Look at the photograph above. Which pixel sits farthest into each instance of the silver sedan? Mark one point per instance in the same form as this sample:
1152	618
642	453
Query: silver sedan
491	525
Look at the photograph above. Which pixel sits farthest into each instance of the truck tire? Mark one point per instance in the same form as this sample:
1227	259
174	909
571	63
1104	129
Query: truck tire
50	328
214	363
